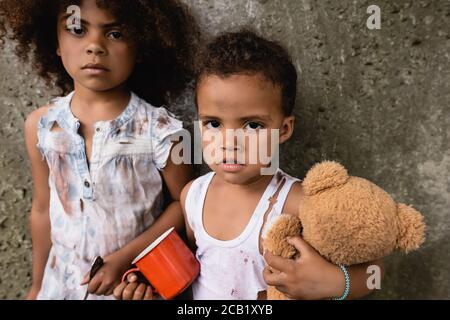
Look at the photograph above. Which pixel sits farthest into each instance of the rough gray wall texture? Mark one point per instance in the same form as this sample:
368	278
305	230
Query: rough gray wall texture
379	101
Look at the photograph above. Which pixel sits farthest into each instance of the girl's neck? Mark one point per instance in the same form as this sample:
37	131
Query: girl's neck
99	105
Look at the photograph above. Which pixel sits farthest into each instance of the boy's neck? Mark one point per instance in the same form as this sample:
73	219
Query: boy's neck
257	183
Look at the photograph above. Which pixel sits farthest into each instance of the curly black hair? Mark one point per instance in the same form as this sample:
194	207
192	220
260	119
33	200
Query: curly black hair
244	52
166	33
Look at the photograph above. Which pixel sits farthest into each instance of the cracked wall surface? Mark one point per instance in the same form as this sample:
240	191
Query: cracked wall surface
376	100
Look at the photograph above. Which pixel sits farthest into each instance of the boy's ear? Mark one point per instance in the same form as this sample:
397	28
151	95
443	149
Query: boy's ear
287	129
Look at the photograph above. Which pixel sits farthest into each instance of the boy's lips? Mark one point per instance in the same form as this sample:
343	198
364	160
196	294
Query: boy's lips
231	165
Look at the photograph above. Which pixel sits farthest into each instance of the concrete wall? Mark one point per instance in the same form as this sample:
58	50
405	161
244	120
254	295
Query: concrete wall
377	100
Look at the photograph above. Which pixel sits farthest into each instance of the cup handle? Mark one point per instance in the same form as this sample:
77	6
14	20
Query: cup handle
125	275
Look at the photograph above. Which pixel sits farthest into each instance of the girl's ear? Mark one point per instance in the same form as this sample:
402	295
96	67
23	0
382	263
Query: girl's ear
287	128
58	51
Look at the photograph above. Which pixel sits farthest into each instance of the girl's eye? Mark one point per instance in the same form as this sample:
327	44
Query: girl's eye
76	31
253	126
213	124
115	35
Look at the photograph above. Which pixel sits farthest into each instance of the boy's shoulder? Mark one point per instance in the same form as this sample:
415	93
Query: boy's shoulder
295	196
199	180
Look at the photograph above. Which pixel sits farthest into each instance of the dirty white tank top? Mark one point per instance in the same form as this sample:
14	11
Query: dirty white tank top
233	270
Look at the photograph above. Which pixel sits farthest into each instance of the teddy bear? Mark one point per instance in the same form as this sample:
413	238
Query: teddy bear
348	220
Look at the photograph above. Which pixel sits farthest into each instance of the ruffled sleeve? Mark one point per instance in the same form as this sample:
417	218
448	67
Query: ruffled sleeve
164	126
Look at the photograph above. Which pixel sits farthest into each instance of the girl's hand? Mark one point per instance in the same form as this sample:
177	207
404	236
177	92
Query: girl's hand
33	293
309	277
132	290
108	276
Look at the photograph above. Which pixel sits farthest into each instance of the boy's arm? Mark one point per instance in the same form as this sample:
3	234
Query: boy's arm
189	232
311	276
39	218
358	279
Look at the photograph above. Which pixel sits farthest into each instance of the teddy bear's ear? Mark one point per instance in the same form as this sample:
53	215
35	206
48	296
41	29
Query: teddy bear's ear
411	228
324	175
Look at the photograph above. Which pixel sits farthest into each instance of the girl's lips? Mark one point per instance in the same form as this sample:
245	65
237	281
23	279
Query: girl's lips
95	71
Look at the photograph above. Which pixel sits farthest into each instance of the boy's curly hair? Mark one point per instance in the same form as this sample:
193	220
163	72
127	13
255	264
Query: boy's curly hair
244	52
166	34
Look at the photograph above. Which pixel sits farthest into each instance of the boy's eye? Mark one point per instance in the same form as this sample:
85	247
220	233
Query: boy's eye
76	31
253	126
115	35
213	124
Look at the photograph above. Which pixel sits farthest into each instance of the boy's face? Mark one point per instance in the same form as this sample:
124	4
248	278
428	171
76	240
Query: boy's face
249	103
97	55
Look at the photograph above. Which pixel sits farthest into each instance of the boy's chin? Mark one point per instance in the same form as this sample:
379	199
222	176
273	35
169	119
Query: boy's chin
246	176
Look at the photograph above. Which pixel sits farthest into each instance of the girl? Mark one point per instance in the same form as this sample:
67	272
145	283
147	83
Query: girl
100	154
248	83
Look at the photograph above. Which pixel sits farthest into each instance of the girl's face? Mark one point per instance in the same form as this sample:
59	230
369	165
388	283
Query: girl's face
250	107
98	55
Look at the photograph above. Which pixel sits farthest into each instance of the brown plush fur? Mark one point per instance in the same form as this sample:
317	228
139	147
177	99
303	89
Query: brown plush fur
348	220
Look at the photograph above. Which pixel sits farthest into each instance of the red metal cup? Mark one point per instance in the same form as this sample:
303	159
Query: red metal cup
168	264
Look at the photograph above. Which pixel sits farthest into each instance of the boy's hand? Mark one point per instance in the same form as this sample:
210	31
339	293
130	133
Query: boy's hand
131	289
308	277
108	276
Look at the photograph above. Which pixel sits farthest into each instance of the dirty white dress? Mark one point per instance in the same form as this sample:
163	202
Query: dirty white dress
98	208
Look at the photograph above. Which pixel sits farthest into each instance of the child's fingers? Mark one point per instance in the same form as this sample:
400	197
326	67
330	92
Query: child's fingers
104	288
301	245
85	279
140	292
94	284
132	277
110	292
278	263
272	279
119	290
128	292
148	293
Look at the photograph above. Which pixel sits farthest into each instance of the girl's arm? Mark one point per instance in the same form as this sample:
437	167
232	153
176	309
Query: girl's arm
109	276
39	218
175	177
132	290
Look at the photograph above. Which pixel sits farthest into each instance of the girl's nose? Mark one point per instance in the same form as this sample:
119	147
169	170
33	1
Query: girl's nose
96	45
96	49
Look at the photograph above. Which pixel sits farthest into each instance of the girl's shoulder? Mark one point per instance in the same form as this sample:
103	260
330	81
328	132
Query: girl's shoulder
35	117
50	112
163	122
